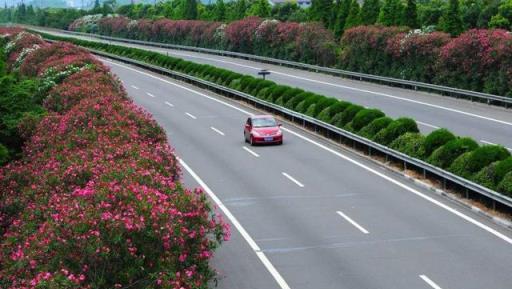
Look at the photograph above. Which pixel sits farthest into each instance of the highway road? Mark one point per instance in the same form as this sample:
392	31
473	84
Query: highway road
484	123
309	214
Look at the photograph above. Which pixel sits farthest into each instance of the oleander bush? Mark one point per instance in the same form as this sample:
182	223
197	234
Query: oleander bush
432	57
440	148
307	42
96	201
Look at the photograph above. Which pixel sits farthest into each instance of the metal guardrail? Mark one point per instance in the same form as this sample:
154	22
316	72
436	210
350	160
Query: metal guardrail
445	90
446	179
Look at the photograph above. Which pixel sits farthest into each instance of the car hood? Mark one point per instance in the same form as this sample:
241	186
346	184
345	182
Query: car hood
266	130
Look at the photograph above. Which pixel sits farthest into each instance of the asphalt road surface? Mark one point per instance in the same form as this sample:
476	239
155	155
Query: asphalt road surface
487	124
308	214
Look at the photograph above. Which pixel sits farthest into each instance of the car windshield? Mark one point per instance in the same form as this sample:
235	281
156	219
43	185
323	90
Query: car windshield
263	122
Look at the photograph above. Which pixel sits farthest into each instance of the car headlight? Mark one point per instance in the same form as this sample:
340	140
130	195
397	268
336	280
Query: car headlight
255	133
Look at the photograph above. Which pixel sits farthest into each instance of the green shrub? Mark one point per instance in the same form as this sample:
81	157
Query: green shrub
486	155
4	154
502	168
245	82
436	139
486	176
235	84
276	92
364	117
294	101
480	158
303	106
323	104
505	186
444	156
230	76
347	115
411	144
329	112
287	95
459	165
263	93
395	129
260	85
320	103
374	127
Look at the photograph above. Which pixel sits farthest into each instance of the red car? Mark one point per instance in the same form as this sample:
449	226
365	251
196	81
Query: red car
263	129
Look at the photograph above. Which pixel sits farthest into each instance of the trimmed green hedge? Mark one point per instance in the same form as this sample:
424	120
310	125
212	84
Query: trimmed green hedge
436	139
485	165
410	143
395	129
446	154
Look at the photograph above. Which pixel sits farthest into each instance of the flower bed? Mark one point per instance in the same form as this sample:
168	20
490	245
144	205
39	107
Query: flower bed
97	200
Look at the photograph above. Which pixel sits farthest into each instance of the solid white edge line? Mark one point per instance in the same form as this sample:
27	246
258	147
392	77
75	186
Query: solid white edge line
353	161
169	104
190	115
263	258
133	86
150	94
251	152
426	124
491	143
217	131
430	282
354	223
293	179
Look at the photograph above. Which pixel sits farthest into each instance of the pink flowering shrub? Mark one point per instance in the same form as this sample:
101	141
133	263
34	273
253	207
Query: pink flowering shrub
57	56
415	54
240	34
97	200
479	60
363	48
308	42
25	41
